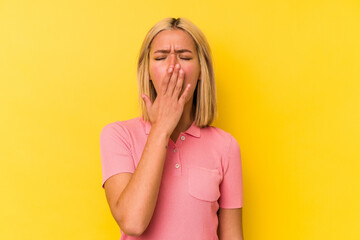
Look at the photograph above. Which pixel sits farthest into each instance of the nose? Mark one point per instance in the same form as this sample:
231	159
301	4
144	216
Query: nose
173	59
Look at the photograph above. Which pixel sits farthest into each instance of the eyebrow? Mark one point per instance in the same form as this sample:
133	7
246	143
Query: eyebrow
177	51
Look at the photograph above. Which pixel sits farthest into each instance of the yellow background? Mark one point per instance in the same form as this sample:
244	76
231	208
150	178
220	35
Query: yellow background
287	75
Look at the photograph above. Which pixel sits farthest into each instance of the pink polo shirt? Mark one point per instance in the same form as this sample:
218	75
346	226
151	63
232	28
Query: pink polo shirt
202	172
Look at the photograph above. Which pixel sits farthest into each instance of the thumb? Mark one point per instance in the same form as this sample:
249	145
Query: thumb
147	101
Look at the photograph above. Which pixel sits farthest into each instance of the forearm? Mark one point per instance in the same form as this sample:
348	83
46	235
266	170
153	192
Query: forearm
137	202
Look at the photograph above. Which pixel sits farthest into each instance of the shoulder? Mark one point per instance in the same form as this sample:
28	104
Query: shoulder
122	128
219	135
223	141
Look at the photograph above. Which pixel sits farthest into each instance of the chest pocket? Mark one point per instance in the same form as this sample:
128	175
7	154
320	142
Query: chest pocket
203	183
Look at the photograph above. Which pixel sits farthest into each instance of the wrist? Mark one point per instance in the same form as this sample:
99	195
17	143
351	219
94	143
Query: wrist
159	131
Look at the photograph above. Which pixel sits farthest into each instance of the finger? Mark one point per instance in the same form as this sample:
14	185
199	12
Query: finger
179	84
170	70
185	94
172	82
147	101
165	81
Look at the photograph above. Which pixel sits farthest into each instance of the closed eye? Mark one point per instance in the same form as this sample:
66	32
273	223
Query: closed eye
186	59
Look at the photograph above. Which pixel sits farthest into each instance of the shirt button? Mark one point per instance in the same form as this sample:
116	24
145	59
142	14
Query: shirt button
183	138
177	165
175	150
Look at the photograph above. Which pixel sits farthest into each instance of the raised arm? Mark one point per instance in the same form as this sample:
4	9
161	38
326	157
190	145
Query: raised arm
132	197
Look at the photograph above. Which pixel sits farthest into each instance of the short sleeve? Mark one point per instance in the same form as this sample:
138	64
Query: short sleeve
115	151
231	187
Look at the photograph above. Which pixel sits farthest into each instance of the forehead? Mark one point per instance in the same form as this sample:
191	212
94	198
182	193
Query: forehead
168	39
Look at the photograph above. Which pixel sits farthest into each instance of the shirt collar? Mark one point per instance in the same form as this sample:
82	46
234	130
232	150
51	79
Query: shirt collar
193	130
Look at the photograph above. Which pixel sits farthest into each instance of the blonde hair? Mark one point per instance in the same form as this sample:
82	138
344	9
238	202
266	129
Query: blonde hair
204	100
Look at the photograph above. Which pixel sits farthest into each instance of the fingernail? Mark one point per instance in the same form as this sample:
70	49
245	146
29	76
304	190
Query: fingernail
177	66
170	70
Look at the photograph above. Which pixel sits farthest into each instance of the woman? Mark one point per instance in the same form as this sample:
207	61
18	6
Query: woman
168	174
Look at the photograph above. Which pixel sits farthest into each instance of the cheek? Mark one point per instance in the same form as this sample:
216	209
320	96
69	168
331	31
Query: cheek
157	73
191	72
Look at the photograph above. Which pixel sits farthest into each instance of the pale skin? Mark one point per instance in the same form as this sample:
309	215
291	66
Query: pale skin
132	196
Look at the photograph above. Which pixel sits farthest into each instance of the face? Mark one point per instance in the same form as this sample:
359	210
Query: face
171	42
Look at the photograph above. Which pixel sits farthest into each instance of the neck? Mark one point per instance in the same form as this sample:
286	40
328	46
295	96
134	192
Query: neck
186	119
